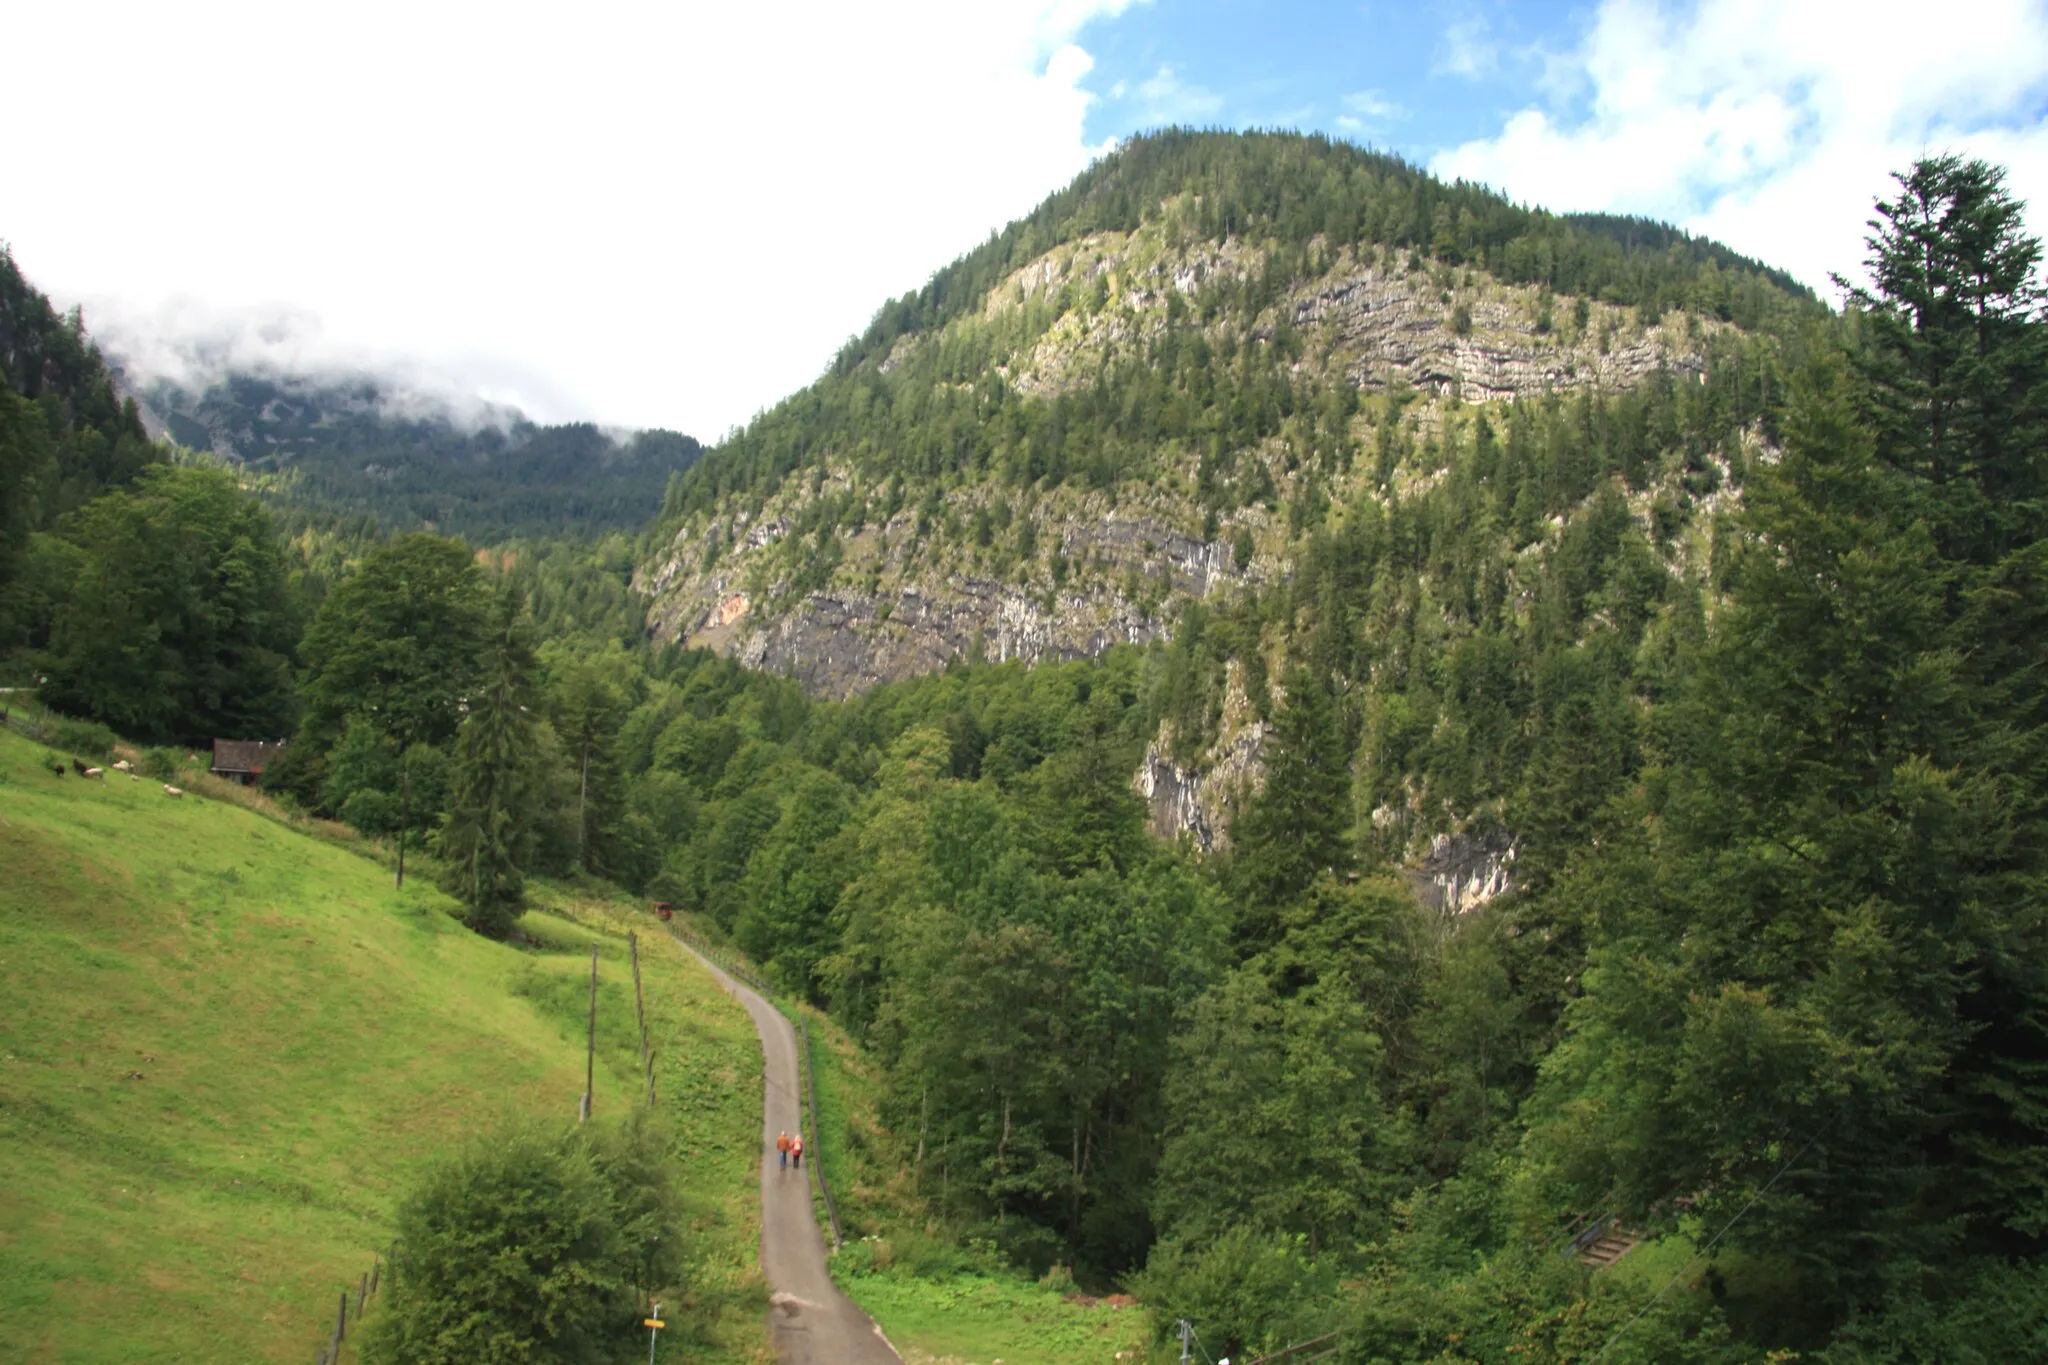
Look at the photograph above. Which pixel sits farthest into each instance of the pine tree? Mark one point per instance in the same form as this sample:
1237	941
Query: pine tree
1300	825
1956	355
493	798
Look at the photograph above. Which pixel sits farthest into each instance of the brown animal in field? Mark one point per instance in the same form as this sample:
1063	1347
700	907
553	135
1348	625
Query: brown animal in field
78	766
169	790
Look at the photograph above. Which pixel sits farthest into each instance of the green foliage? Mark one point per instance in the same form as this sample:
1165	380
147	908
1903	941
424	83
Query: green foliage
396	645
177	626
530	1245
66	437
1246	1290
495	794
1815	989
84	737
1300	825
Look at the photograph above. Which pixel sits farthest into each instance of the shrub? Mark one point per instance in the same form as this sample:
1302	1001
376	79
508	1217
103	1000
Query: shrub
533	1244
161	764
1247	1289
86	738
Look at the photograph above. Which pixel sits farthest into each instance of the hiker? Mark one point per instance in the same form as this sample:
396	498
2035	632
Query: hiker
782	1149
796	1151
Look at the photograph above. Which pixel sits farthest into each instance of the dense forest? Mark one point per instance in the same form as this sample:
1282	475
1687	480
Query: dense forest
1749	663
343	447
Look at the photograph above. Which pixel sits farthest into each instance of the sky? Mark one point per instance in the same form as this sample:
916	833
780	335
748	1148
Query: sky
673	214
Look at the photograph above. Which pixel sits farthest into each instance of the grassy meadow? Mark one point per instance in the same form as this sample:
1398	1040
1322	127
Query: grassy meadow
227	1045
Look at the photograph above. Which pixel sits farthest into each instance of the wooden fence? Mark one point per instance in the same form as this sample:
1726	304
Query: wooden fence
365	1290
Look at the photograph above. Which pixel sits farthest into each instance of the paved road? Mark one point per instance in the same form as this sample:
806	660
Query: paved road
811	1321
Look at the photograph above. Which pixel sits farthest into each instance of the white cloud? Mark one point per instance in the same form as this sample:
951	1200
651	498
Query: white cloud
1772	126
637	213
1467	50
1166	98
1370	106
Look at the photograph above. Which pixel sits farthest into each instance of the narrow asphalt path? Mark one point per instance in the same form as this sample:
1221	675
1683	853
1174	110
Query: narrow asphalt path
811	1321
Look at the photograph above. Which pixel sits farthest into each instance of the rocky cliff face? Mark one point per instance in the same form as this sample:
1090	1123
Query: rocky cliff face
1464	871
1108	571
1108	567
1198	800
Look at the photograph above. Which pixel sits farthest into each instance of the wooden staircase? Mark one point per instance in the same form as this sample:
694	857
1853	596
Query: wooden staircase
1613	1242
1598	1239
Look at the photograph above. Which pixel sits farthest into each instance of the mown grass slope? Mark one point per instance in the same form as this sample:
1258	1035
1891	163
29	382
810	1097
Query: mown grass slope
225	1047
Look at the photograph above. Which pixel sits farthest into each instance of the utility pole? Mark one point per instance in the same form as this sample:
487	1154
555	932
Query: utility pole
654	1326
1187	1334
590	1055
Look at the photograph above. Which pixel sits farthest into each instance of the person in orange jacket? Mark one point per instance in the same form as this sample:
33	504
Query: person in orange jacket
796	1151
782	1149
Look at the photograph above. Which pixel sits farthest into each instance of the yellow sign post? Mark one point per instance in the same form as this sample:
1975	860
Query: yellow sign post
654	1324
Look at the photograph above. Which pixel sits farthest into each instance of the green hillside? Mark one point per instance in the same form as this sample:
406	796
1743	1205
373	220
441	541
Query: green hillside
228	1046
1157	387
355	446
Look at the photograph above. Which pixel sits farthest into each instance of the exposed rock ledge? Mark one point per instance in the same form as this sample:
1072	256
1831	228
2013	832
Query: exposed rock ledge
1465	871
840	643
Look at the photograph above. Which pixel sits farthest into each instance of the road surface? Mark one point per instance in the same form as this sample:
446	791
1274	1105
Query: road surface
811	1321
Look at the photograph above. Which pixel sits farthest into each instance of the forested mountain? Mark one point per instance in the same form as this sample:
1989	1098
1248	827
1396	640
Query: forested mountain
1257	394
1726	667
336	448
1590	699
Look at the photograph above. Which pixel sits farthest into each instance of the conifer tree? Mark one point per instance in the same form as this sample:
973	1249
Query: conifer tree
1956	354
493	797
1300	825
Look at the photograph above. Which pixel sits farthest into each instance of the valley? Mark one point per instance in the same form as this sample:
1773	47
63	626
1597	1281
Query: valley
1311	746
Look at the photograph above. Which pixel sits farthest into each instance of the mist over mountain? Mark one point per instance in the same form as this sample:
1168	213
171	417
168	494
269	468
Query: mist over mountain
348	445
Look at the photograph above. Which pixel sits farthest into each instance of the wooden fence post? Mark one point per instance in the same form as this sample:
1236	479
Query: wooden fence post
590	1056
639	997
650	1078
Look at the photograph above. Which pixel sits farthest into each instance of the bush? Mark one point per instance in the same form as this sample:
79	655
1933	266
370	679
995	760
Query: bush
532	1245
86	738
1248	1290
161	764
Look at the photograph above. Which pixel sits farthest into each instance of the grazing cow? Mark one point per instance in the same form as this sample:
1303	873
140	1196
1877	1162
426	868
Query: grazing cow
94	772
124	766
169	790
78	765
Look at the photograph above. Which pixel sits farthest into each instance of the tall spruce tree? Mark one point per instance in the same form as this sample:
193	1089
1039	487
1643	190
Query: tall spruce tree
1300	825
1956	355
494	790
